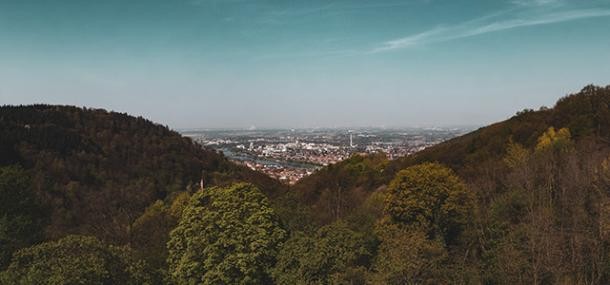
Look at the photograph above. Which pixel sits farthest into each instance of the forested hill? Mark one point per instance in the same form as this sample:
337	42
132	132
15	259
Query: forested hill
94	172
523	201
586	114
334	190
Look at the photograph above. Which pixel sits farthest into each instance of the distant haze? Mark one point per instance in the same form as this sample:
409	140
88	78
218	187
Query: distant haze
238	63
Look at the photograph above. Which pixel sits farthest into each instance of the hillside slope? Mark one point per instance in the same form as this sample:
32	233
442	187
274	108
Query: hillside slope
96	171
534	207
334	191
586	114
524	201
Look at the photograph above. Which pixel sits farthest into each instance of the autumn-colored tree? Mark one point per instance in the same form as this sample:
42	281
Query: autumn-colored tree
516	155
554	139
225	236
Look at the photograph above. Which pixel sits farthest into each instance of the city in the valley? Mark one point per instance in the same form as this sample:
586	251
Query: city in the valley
291	154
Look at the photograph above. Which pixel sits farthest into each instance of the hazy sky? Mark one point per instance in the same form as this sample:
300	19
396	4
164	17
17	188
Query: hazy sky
237	63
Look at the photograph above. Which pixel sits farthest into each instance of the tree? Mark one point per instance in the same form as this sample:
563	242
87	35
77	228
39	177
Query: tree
97	171
225	236
516	155
335	254
75	260
20	213
554	139
430	196
333	191
407	256
150	232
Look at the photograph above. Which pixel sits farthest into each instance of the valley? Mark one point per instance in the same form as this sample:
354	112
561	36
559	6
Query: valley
289	155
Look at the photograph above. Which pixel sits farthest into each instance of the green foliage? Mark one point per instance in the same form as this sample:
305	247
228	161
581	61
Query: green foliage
427	208
333	190
75	260
334	255
225	236
366	215
535	211
430	196
97	171
295	215
150	234
179	203
407	256
20	214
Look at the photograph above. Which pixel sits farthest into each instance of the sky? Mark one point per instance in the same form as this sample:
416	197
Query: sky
303	64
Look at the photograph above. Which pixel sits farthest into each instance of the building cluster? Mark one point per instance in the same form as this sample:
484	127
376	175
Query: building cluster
287	175
393	151
320	154
290	162
290	155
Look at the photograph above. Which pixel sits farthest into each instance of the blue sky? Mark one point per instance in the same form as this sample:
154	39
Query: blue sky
238	63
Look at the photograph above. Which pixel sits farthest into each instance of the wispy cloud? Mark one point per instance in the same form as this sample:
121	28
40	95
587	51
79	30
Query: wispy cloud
335	8
537	3
489	24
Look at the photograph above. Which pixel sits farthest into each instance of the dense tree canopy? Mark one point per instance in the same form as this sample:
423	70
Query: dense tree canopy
586	114
554	139
332	191
407	256
432	197
524	201
334	255
21	215
226	235
96	171
75	260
